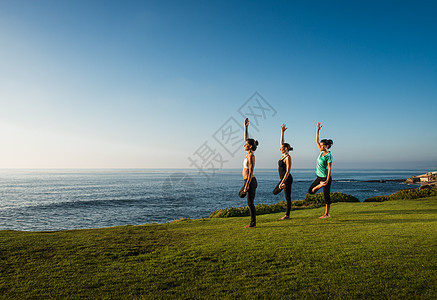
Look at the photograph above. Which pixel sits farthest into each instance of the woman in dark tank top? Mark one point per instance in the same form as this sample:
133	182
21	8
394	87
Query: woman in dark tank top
284	167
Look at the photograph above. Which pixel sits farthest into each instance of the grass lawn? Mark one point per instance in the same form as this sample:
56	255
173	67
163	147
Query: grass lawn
384	250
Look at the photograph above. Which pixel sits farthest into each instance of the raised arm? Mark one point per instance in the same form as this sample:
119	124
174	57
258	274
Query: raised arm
319	126
283	128
246	131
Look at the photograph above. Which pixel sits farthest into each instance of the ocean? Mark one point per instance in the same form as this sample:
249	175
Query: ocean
47	200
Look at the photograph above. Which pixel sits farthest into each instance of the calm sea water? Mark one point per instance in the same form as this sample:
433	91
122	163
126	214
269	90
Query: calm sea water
38	200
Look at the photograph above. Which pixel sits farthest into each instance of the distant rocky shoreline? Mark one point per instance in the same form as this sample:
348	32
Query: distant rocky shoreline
428	180
386	180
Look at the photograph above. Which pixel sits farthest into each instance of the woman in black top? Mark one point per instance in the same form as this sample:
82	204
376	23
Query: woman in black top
284	166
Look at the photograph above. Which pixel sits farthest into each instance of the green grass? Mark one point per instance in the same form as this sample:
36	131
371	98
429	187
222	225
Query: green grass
384	250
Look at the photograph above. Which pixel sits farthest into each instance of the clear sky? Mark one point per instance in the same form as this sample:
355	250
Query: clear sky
144	84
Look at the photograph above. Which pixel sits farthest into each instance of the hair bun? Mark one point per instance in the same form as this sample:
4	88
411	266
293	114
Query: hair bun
256	143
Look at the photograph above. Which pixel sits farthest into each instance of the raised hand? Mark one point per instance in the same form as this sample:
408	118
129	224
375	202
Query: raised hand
246	122
319	126
283	127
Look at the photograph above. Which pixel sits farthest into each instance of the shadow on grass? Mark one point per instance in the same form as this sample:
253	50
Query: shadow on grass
385	221
348	222
396	212
374	217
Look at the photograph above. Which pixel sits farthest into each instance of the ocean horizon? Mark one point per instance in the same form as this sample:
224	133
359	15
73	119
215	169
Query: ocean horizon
63	199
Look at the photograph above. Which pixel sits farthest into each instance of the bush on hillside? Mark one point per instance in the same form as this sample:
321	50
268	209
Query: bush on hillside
377	199
261	209
311	201
405	194
318	199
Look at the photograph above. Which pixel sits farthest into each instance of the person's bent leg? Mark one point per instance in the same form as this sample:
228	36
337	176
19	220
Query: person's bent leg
320	185
277	189
241	193
313	185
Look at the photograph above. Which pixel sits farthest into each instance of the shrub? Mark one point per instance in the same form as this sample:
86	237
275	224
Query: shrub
414	193
311	201
261	209
230	212
318	199
377	199
405	194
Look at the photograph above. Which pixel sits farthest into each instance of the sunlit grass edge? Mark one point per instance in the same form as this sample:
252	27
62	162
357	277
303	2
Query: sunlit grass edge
365	250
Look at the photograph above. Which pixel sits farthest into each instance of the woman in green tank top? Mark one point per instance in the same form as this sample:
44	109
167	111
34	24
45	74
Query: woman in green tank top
323	171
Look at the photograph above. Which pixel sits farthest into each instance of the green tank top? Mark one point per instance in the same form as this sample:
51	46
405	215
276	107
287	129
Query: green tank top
322	164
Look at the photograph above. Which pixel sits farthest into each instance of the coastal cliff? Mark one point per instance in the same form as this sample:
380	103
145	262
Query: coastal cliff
428	180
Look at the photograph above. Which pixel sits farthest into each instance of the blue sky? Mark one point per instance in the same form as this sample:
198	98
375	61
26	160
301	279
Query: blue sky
143	84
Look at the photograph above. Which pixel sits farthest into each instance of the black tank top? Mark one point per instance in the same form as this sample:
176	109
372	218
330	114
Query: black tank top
282	168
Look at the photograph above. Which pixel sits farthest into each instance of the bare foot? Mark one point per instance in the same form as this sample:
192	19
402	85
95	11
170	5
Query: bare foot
249	226
285	218
324	217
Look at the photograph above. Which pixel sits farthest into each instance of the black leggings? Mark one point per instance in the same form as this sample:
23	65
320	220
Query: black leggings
326	188
287	192
250	198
